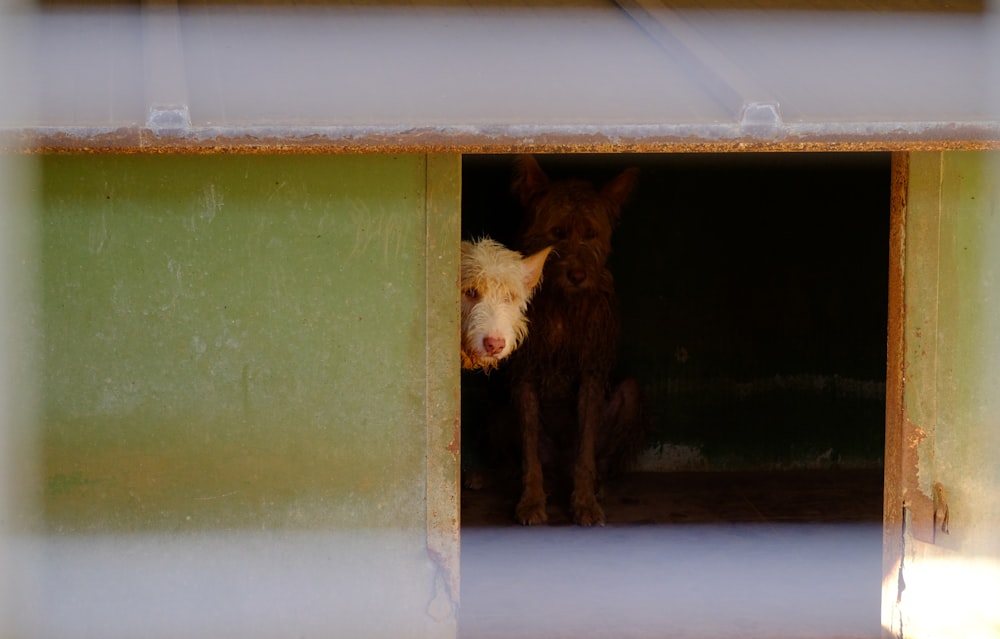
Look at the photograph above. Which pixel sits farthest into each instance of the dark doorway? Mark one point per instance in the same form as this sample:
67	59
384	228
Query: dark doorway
753	291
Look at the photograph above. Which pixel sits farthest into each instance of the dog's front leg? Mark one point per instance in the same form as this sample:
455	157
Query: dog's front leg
531	508
586	510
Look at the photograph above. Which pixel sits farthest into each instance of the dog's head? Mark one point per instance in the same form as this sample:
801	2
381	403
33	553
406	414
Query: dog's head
497	284
573	217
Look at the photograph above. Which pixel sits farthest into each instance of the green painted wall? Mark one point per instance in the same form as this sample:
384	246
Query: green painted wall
248	383
233	341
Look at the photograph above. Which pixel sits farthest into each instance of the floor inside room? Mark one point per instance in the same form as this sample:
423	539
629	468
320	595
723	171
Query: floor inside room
748	555
752	497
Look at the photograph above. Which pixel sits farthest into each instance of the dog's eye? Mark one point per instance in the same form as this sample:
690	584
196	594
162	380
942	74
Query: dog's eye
589	233
558	232
471	293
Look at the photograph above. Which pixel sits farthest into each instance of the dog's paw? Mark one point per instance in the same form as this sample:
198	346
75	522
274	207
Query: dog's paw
531	512
588	513
474	480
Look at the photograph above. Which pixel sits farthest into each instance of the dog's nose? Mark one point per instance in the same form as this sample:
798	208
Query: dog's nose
576	276
494	345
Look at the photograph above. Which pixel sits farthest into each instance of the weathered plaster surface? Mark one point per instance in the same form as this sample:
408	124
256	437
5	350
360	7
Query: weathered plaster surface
950	557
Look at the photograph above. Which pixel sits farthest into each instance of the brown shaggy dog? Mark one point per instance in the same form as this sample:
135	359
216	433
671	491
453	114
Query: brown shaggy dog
569	413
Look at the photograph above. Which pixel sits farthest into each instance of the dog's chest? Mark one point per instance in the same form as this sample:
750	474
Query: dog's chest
555	330
558	328
566	331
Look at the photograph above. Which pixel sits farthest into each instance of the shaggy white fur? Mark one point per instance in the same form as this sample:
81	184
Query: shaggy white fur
497	284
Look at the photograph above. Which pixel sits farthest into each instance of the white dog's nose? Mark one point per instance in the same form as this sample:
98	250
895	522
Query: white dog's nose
494	345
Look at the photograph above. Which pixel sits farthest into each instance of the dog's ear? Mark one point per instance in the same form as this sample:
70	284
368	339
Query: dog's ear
533	266
467	249
529	179
618	189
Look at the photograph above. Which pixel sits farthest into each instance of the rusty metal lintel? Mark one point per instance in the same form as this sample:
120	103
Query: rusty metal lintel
641	138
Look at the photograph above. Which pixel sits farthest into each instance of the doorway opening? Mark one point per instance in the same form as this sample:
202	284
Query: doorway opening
753	290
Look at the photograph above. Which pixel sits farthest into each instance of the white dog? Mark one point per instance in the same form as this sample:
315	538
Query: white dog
496	286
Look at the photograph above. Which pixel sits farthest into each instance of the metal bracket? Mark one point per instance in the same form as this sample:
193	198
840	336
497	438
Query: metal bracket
941	514
761	119
166	118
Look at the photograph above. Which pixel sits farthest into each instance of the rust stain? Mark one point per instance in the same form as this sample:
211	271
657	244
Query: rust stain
941	514
919	505
455	445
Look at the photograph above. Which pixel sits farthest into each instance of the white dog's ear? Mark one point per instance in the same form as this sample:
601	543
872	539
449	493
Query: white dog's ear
533	265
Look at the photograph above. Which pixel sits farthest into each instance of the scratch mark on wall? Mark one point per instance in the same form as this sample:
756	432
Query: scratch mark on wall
213	203
278	187
360	218
382	231
99	234
209	497
121	299
177	270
